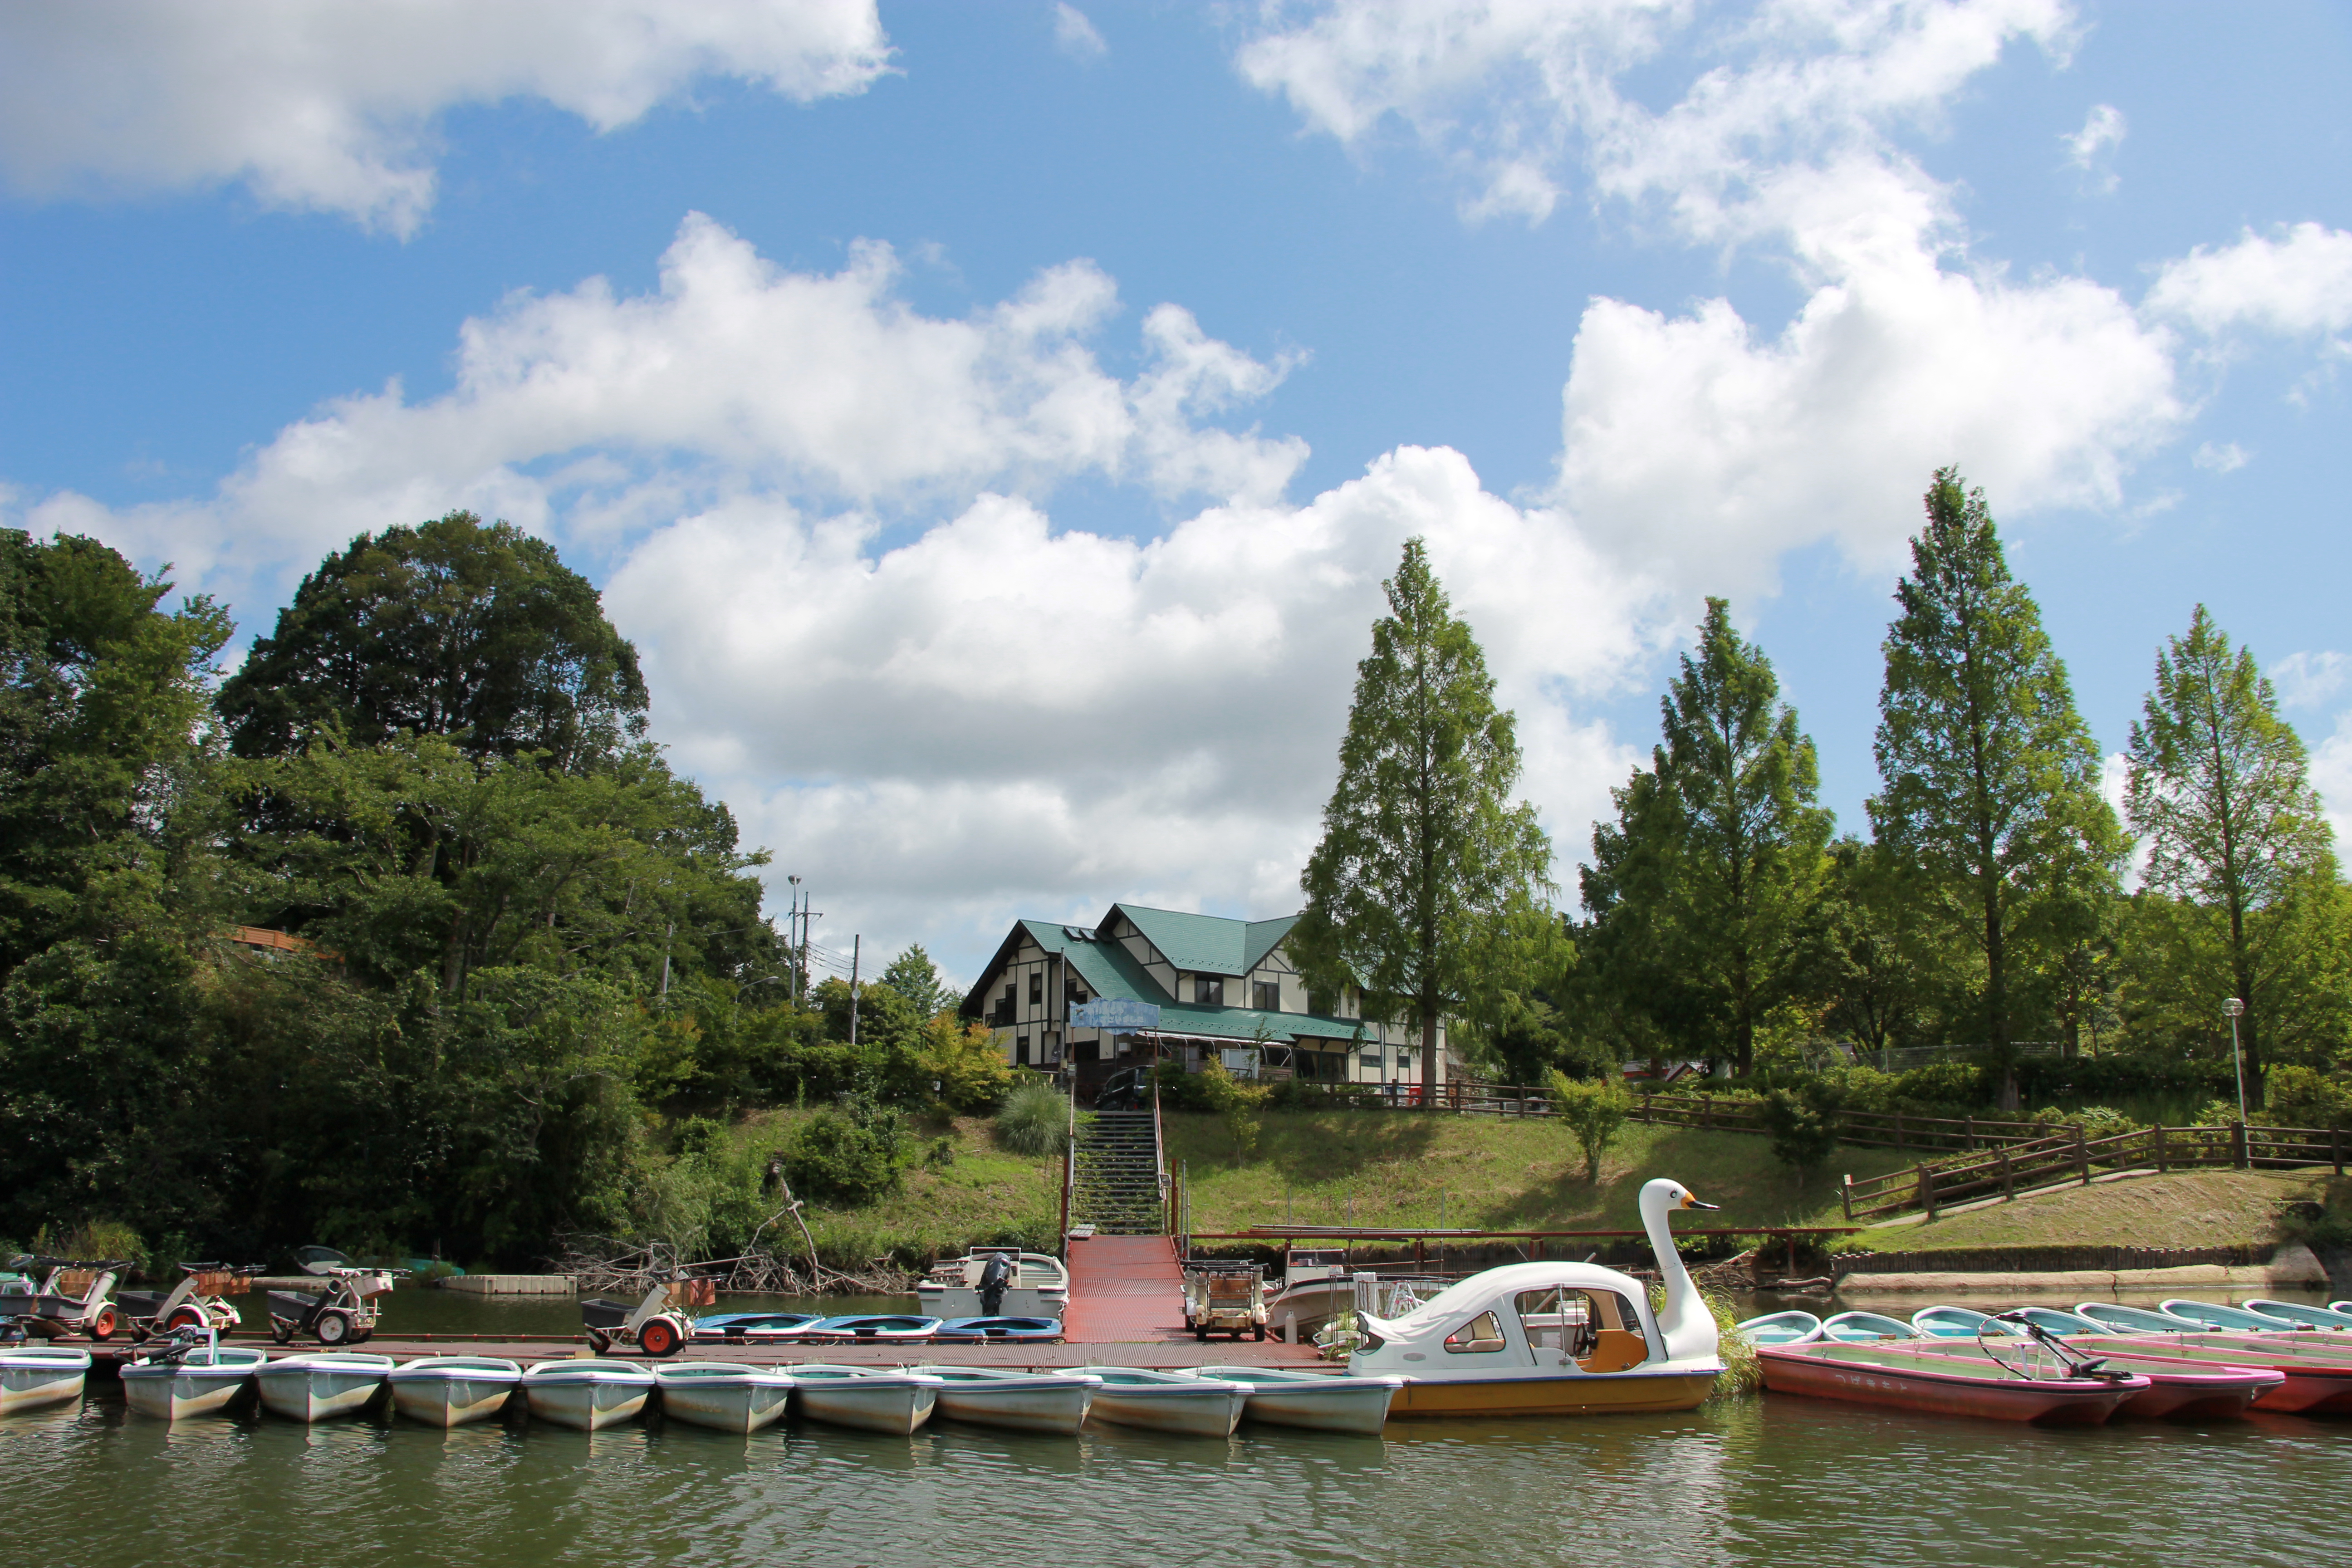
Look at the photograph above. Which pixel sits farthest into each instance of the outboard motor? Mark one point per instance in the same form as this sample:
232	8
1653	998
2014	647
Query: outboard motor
994	1276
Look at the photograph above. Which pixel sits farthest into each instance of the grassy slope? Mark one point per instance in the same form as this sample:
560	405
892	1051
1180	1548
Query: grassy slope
2186	1208
1403	1170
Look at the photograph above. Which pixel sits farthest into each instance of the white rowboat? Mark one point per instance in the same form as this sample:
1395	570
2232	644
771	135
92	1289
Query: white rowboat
35	1375
1024	1401
1169	1401
589	1394
206	1382
453	1390
872	1399
1321	1402
723	1396
321	1386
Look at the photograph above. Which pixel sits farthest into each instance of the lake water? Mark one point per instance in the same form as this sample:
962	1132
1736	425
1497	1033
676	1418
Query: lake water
1758	1481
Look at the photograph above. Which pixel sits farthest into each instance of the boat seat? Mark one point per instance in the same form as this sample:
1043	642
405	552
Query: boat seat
1614	1349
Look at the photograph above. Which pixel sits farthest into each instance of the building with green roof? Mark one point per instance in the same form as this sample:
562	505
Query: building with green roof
1226	991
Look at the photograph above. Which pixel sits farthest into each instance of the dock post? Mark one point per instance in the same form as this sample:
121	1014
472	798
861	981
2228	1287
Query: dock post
1927	1191
2238	1146
2158	1131
1845	1194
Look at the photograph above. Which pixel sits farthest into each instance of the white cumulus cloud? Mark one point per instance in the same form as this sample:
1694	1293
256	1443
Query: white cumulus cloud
2295	283
2103	131
1075	35
2309	677
332	106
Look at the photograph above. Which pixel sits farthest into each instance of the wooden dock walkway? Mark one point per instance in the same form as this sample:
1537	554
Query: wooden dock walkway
1125	1289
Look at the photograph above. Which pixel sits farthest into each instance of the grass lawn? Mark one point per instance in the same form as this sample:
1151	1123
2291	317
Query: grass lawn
1406	1169
2183	1208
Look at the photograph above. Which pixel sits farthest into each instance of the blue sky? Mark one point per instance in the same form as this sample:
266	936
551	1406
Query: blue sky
993	421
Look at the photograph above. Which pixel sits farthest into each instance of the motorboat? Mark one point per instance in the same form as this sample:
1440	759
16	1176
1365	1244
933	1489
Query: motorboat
1796	1328
179	1378
1948	1322
1173	1402
870	1398
722	1395
1319	1401
321	1386
1318	1283
888	1327
1027	1285
1931	1378
1004	1396
453	1390
1858	1327
2055	1320
2318	1375
589	1394
739	1328
1552	1339
2214	1315
2119	1319
1041	1331
2298	1314
34	1375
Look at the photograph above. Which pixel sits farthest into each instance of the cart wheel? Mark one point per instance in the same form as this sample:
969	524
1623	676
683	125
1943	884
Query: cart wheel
102	1327
185	1317
599	1342
1258	1333
282	1332
362	1336
1202	1335
333	1327
658	1338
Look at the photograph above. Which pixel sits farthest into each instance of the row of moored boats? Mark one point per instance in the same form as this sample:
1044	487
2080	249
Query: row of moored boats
187	1378
2103	1359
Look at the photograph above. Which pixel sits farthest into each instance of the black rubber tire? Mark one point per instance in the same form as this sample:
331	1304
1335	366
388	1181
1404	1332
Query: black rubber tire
283	1336
1258	1333
598	1343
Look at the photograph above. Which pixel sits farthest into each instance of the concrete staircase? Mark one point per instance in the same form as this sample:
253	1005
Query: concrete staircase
1117	1186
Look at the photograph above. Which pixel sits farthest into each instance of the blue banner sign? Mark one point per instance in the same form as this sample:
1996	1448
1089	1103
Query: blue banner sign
1116	1014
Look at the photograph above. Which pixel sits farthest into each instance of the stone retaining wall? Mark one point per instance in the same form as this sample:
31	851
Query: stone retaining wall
2049	1259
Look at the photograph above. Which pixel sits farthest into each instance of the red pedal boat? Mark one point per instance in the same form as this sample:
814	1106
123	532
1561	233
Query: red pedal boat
1898	1378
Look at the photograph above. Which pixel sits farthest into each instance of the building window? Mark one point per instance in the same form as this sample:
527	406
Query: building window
1005	1010
1266	996
1370	1059
1021	1050
1036	987
1209	990
1074	993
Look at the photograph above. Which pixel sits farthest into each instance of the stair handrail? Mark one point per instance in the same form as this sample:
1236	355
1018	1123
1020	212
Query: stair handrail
1160	1157
1069	1167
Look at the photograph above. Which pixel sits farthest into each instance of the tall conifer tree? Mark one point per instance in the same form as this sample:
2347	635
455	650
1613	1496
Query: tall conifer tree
2219	786
1990	796
1423	853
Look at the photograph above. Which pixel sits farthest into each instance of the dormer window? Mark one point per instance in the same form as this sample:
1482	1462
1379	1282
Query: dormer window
1209	990
1266	996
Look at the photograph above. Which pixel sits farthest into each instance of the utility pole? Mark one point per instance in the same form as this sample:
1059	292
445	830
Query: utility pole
854	942
792	914
2235	1009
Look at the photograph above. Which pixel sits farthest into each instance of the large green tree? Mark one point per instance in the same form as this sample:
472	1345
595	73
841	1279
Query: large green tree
1726	848
1424	851
452	627
2219	786
1990	797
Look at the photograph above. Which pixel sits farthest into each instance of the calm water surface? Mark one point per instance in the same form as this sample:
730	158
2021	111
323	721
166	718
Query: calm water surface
1766	1481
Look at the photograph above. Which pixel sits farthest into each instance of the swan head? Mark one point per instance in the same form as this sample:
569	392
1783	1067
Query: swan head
1663	1196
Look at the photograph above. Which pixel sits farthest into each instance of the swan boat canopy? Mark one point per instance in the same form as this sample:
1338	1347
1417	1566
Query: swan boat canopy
1553	1339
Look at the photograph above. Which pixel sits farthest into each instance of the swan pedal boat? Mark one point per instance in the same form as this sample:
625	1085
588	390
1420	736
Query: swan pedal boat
447	1390
34	1375
1794	1328
2301	1316
587	1394
1933	1379
1054	1402
320	1386
2179	1390
870	1398
722	1395
2234	1319
2318	1375
1320	1402
1861	1327
204	1382
1174	1402
1553	1339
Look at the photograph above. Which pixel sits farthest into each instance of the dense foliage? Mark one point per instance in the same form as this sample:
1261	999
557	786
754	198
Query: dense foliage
515	962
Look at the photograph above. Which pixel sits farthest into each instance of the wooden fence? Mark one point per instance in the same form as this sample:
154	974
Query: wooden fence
2067	1157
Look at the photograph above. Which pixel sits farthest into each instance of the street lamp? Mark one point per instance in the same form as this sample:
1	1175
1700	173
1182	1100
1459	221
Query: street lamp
2234	1007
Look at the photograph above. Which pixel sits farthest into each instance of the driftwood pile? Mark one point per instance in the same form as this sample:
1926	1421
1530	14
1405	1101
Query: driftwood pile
603	1264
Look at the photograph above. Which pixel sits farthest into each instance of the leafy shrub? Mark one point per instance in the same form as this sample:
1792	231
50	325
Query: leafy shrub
1238	1102
2305	1097
965	1062
1593	1113
2217	1113
1803	1131
1034	1118
1181	1090
850	1155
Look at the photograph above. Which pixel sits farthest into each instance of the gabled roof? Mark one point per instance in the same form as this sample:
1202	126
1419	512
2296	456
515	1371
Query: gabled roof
1210	945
